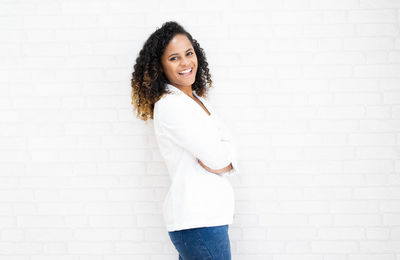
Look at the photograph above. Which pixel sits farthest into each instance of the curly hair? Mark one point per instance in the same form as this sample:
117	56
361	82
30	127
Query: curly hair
149	81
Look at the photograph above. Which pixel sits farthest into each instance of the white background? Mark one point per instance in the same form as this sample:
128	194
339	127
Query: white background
310	88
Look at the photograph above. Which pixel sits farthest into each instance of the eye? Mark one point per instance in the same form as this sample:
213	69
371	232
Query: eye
173	58
191	53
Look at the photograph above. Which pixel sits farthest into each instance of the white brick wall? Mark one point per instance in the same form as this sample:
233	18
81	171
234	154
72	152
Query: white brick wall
311	88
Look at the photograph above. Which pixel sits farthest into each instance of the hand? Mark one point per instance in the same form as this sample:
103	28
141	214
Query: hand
217	171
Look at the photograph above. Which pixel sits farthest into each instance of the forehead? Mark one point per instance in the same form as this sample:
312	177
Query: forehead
179	43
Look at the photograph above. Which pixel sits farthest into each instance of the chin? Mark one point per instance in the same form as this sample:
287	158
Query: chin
186	82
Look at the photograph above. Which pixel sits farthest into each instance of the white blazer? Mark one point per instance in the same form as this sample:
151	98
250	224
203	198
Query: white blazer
185	132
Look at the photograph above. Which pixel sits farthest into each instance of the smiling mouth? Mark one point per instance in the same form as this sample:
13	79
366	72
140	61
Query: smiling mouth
186	72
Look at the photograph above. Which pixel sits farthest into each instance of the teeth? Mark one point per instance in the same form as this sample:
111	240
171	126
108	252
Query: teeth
185	71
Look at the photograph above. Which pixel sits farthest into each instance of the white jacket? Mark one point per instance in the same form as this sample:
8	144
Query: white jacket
185	132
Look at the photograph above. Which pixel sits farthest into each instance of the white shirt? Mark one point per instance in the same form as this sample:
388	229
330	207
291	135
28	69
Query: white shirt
185	132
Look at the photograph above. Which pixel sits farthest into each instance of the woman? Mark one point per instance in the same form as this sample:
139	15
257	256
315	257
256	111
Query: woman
169	84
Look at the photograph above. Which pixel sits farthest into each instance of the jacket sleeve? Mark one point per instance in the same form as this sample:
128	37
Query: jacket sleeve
198	136
227	136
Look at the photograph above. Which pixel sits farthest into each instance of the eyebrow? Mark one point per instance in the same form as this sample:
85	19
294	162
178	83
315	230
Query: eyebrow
177	53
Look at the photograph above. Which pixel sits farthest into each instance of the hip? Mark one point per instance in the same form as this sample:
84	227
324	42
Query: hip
202	243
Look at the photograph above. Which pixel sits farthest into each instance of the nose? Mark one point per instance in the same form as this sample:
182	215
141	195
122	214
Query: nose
184	61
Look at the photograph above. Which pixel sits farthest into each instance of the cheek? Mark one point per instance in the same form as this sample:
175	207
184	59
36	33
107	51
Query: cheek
195	59
170	69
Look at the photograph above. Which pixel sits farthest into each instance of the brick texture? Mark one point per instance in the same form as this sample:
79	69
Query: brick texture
310	88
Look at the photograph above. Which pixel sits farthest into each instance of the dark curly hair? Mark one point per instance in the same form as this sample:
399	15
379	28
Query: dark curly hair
149	81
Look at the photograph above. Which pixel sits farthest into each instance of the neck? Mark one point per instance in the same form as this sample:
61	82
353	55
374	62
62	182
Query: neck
186	89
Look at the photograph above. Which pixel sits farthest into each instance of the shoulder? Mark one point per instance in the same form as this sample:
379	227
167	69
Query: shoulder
169	100
170	104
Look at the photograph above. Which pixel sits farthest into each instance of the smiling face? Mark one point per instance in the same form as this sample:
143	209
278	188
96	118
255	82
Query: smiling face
179	62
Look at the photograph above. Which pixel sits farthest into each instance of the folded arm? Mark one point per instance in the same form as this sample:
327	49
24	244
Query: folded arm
217	171
198	136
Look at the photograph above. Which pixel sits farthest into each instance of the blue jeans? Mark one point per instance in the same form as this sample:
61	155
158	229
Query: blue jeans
204	243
